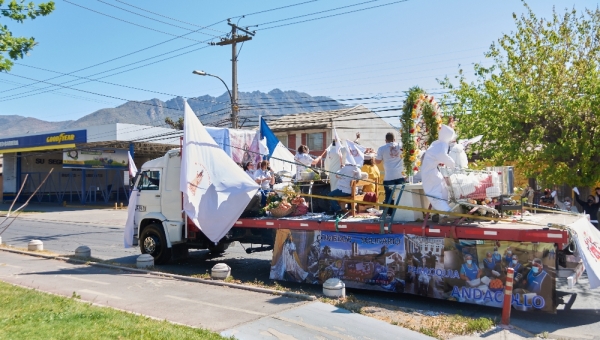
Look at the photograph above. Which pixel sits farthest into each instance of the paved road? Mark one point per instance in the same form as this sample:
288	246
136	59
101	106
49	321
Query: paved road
101	230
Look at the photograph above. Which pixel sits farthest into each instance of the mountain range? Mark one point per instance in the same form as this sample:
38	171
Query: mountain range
211	110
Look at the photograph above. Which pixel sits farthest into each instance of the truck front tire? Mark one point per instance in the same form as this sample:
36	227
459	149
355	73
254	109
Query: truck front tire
154	242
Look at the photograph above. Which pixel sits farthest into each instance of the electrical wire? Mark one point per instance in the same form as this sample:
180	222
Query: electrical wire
163	22
128	22
333	15
314	13
274	9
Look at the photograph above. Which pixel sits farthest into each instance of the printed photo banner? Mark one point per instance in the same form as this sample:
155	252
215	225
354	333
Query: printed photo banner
96	159
467	271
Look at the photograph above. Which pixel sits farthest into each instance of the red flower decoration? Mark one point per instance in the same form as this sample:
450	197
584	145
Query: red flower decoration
412	130
415	106
416	169
412	152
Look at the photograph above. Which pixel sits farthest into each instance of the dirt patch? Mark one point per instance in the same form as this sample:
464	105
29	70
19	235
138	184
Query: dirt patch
434	324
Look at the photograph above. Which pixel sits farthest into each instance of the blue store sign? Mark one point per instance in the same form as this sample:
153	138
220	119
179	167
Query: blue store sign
61	138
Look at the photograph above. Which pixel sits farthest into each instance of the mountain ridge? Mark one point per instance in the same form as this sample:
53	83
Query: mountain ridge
210	110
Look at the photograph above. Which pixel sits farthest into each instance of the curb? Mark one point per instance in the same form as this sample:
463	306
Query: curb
173	276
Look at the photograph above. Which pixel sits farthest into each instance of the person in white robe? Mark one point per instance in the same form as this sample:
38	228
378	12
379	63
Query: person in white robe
433	181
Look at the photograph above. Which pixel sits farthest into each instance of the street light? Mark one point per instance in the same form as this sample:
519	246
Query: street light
234	107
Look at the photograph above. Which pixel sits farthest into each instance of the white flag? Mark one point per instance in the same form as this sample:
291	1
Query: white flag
587	238
215	189
132	168
130	223
356	153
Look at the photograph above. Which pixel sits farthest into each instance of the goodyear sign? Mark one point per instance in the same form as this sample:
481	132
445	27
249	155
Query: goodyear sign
42	141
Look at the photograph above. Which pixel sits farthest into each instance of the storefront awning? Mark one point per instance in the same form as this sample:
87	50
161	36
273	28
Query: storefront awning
39	148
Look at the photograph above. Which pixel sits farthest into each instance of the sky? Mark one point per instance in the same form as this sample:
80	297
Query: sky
120	50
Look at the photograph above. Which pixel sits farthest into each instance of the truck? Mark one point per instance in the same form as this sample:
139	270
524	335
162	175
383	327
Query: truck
413	256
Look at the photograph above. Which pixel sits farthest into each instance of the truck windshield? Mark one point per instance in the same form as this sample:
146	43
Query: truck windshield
149	180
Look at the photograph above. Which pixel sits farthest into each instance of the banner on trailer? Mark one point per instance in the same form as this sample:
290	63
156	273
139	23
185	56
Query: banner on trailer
588	243
96	159
467	271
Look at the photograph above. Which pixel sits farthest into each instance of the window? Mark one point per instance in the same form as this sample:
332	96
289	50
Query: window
283	139
314	141
149	181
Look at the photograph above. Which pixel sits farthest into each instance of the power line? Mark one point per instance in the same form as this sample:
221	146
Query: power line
167	17
333	15
273	9
120	57
314	13
163	22
12	97
353	68
128	22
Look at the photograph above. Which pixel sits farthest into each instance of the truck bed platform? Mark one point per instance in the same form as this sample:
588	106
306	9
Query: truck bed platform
534	228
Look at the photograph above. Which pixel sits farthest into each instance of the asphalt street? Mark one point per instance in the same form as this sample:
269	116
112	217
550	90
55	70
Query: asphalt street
102	230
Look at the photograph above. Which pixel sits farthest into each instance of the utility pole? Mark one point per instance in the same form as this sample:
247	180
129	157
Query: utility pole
235	38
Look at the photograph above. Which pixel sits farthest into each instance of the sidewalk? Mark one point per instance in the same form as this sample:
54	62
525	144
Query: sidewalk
243	314
71	214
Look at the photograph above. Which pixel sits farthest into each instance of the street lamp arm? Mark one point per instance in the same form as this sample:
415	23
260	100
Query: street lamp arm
234	107
202	73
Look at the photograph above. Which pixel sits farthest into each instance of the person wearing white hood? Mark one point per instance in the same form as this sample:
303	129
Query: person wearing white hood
433	181
334	161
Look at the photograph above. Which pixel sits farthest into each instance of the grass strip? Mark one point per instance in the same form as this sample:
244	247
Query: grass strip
29	314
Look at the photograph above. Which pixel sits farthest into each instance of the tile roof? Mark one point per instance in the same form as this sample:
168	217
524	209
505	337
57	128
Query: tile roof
316	120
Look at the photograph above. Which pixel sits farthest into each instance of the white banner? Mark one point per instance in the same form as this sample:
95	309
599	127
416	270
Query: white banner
587	238
132	168
356	153
215	189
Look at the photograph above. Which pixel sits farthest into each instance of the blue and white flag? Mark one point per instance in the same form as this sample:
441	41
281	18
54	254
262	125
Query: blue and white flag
281	159
215	189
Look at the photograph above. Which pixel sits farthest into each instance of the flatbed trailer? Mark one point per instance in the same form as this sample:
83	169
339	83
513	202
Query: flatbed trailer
466	262
484	230
426	259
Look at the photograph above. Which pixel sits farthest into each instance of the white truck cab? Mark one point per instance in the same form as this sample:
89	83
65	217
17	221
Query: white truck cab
161	227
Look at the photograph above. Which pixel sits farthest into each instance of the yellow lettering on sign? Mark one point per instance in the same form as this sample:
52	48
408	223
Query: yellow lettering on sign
60	138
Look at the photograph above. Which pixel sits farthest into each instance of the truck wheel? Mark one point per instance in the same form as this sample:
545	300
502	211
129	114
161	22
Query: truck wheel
154	242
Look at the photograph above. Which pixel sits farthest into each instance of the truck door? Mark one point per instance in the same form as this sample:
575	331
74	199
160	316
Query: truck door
171	195
150	190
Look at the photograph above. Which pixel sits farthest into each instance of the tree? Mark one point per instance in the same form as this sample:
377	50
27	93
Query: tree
18	47
538	104
177	125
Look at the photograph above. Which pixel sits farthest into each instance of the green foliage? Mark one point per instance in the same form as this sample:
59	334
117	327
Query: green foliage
27	314
537	105
18	47
429	115
177	125
479	325
412	95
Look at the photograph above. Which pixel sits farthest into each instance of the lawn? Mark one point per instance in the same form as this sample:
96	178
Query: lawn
29	314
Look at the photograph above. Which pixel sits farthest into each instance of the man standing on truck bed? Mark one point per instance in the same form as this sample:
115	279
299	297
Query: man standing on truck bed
391	156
